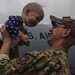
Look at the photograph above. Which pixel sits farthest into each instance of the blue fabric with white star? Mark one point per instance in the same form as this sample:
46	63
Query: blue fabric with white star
12	25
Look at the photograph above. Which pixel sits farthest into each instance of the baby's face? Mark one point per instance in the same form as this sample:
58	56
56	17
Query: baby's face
32	19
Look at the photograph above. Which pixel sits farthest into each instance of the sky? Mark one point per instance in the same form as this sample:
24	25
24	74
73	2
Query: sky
57	8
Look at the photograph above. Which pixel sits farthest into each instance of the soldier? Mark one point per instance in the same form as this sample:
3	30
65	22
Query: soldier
52	61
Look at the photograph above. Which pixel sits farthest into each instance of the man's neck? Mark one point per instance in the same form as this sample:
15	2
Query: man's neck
60	43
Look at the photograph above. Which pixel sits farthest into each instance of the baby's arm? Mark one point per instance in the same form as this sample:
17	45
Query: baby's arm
24	38
11	26
14	24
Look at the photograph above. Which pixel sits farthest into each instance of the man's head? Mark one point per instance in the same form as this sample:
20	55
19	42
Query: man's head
63	29
32	14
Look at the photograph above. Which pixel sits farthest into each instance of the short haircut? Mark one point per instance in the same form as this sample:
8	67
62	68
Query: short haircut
34	7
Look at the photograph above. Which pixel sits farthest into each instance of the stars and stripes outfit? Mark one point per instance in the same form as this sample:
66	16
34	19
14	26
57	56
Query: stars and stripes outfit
12	25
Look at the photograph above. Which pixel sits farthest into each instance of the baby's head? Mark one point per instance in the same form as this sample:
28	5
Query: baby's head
32	14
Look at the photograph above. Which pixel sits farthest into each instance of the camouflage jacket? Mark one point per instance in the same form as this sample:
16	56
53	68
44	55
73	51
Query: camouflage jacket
47	62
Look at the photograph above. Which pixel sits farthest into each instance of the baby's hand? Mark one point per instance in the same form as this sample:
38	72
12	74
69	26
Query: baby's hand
26	42
24	38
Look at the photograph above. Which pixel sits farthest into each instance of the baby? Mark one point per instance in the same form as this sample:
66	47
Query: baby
32	14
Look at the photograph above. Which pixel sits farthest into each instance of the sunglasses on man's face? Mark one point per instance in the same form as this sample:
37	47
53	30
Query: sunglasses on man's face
55	24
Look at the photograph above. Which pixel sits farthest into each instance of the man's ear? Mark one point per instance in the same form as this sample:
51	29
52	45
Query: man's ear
27	11
66	32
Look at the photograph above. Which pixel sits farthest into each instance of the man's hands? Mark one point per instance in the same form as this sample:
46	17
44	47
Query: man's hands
5	34
6	42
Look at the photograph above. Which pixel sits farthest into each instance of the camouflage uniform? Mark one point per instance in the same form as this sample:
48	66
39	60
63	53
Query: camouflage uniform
47	62
5	66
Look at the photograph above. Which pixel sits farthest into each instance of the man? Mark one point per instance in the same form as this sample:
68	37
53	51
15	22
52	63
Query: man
52	61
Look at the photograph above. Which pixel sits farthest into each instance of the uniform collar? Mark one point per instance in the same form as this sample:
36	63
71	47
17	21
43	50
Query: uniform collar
61	48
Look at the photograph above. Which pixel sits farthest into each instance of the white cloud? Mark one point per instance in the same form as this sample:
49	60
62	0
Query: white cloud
55	7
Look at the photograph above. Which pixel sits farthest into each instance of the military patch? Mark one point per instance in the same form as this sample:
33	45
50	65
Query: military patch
34	53
23	59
